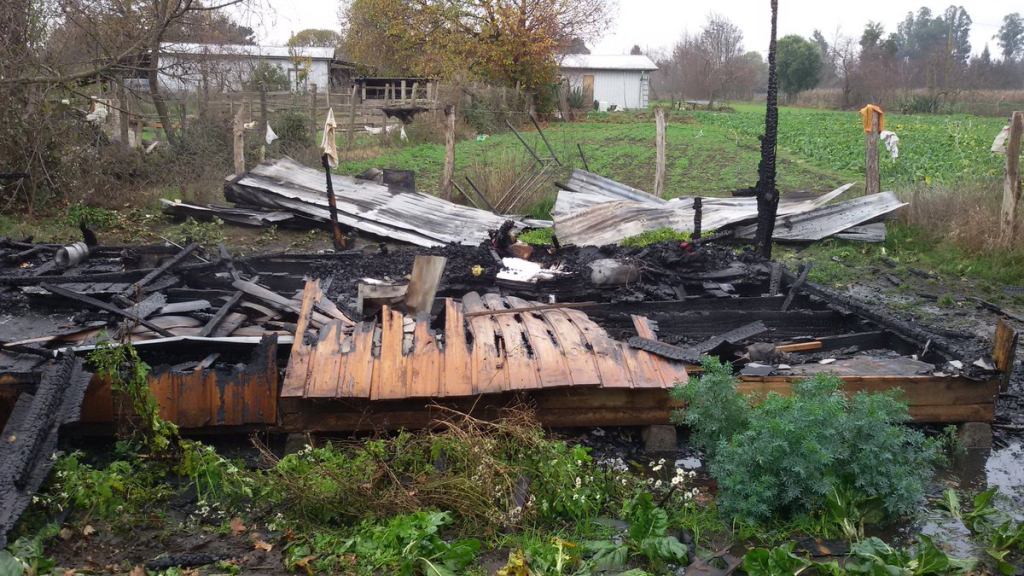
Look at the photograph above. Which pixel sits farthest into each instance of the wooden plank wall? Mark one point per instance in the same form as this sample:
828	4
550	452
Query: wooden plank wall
482	355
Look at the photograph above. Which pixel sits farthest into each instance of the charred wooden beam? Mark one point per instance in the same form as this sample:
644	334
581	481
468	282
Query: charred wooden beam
665	350
804	270
104	306
30	436
125	297
219	316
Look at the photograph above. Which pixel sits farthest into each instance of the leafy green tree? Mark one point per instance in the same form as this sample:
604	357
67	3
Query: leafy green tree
958	24
315	38
799	64
269	74
1011	36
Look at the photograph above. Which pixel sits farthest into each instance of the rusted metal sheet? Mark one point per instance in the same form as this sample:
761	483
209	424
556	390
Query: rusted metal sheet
484	354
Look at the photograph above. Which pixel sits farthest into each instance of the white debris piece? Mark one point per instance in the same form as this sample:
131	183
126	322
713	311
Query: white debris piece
271	135
999	144
892	143
519	270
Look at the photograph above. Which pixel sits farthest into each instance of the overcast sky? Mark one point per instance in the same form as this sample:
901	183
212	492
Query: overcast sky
658	23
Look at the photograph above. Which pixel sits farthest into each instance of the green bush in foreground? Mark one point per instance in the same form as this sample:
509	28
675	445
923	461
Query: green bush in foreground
817	448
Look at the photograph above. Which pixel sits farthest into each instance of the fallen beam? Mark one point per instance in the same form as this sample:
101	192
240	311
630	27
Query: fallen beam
29	439
137	287
104	306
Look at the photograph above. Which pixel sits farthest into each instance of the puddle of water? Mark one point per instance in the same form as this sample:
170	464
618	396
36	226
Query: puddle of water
970	473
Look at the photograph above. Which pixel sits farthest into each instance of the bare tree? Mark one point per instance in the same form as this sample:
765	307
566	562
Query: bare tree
721	45
843	58
710	64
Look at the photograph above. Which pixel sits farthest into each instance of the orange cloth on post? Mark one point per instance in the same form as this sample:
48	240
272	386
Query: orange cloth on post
866	116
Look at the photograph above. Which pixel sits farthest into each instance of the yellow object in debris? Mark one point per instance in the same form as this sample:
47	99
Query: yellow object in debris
866	116
477	270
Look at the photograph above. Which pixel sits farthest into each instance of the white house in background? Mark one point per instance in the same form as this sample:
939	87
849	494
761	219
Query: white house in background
616	79
226	67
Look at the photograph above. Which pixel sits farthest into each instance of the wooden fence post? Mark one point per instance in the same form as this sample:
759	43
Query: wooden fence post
352	118
659	172
122	101
239	132
449	152
312	113
264	114
1009	219
873	184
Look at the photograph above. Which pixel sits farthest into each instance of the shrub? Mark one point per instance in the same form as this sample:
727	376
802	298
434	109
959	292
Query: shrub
576	99
786	455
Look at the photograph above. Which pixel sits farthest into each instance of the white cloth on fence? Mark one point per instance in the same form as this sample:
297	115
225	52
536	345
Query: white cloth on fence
328	145
271	135
999	144
892	143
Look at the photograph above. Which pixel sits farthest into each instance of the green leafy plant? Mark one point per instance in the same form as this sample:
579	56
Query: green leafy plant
408	544
851	510
786	455
655	236
1005	538
715	411
576	98
26	556
215	478
646	539
128	376
872	556
978	518
206	234
779	561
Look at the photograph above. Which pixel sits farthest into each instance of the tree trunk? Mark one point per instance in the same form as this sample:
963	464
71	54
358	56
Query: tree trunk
154	91
767	194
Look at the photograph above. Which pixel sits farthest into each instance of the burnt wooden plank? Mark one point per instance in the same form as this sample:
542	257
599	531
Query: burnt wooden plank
221	314
424	362
325	374
582	368
103	306
607	355
489	370
31	433
458	377
391	383
522	370
297	373
358	379
137	287
551	362
279	302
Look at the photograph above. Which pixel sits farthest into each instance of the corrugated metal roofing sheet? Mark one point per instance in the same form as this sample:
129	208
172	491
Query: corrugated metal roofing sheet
607	62
246	50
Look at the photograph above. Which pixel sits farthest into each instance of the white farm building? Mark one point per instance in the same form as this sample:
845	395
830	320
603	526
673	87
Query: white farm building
616	79
227	67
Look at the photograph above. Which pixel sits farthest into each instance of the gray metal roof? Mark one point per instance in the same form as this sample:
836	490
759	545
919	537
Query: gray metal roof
241	50
607	62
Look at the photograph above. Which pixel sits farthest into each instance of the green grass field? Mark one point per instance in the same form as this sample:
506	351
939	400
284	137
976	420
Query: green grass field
714	153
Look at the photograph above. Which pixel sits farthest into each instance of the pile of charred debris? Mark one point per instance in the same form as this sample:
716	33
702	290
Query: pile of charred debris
383	336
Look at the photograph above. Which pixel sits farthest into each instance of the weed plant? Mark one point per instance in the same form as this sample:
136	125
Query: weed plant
782	456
